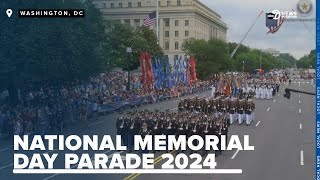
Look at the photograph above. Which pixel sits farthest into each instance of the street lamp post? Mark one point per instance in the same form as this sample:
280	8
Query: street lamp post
260	58
129	52
242	66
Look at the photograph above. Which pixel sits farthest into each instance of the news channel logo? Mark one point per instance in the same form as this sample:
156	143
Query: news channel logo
304	9
276	14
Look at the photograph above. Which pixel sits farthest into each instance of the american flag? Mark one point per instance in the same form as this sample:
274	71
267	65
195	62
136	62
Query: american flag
274	24
151	19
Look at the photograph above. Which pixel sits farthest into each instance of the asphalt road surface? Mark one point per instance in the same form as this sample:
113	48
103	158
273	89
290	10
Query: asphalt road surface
282	134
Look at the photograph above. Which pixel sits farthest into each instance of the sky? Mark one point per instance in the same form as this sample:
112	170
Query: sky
239	15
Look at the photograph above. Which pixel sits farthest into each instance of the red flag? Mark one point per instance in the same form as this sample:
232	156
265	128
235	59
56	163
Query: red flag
227	90
194	70
189	63
149	74
143	69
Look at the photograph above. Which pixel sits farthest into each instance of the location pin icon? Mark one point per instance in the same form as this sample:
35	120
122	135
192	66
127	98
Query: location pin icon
9	12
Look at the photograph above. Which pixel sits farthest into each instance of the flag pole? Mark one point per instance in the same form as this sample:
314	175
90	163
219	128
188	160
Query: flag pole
235	50
158	20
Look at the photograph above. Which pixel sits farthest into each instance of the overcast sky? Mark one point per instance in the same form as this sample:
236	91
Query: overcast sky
293	37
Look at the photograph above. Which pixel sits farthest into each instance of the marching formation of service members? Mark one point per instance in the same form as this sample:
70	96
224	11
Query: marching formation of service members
261	90
199	116
196	116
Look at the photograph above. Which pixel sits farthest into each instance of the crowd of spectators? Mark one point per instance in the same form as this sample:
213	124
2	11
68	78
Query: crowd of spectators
46	110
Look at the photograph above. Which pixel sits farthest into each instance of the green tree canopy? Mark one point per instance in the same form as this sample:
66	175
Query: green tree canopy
212	56
121	36
307	61
38	51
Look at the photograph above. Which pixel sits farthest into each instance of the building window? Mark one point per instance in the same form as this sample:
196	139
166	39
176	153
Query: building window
167	22
168	3
137	22
127	21
179	3
176	57
159	3
176	22
104	5
186	22
129	4
139	4
112	5
166	45
176	33
166	34
176	45
120	5
186	33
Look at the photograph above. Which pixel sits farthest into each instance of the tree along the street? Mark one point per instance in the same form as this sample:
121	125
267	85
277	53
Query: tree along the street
307	61
120	36
50	51
214	56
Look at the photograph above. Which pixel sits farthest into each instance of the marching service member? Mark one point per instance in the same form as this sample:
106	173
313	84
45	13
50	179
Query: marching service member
269	90
143	132
240	111
248	111
232	111
263	92
122	128
258	92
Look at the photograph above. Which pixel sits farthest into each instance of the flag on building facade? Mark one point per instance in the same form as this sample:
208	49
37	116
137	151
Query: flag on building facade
151	19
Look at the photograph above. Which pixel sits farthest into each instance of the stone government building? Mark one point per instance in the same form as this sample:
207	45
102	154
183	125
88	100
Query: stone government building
178	20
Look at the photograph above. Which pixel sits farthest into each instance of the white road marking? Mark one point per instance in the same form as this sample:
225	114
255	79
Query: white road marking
299	84
301	158
299	95
234	155
278	94
3	167
300	126
127	171
4	149
299	111
299	102
274	100
268	109
258	123
308	82
96	123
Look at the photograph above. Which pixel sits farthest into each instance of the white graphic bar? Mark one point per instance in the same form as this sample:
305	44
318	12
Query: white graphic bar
127	171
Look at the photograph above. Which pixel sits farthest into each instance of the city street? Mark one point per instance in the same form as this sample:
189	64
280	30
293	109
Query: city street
282	134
